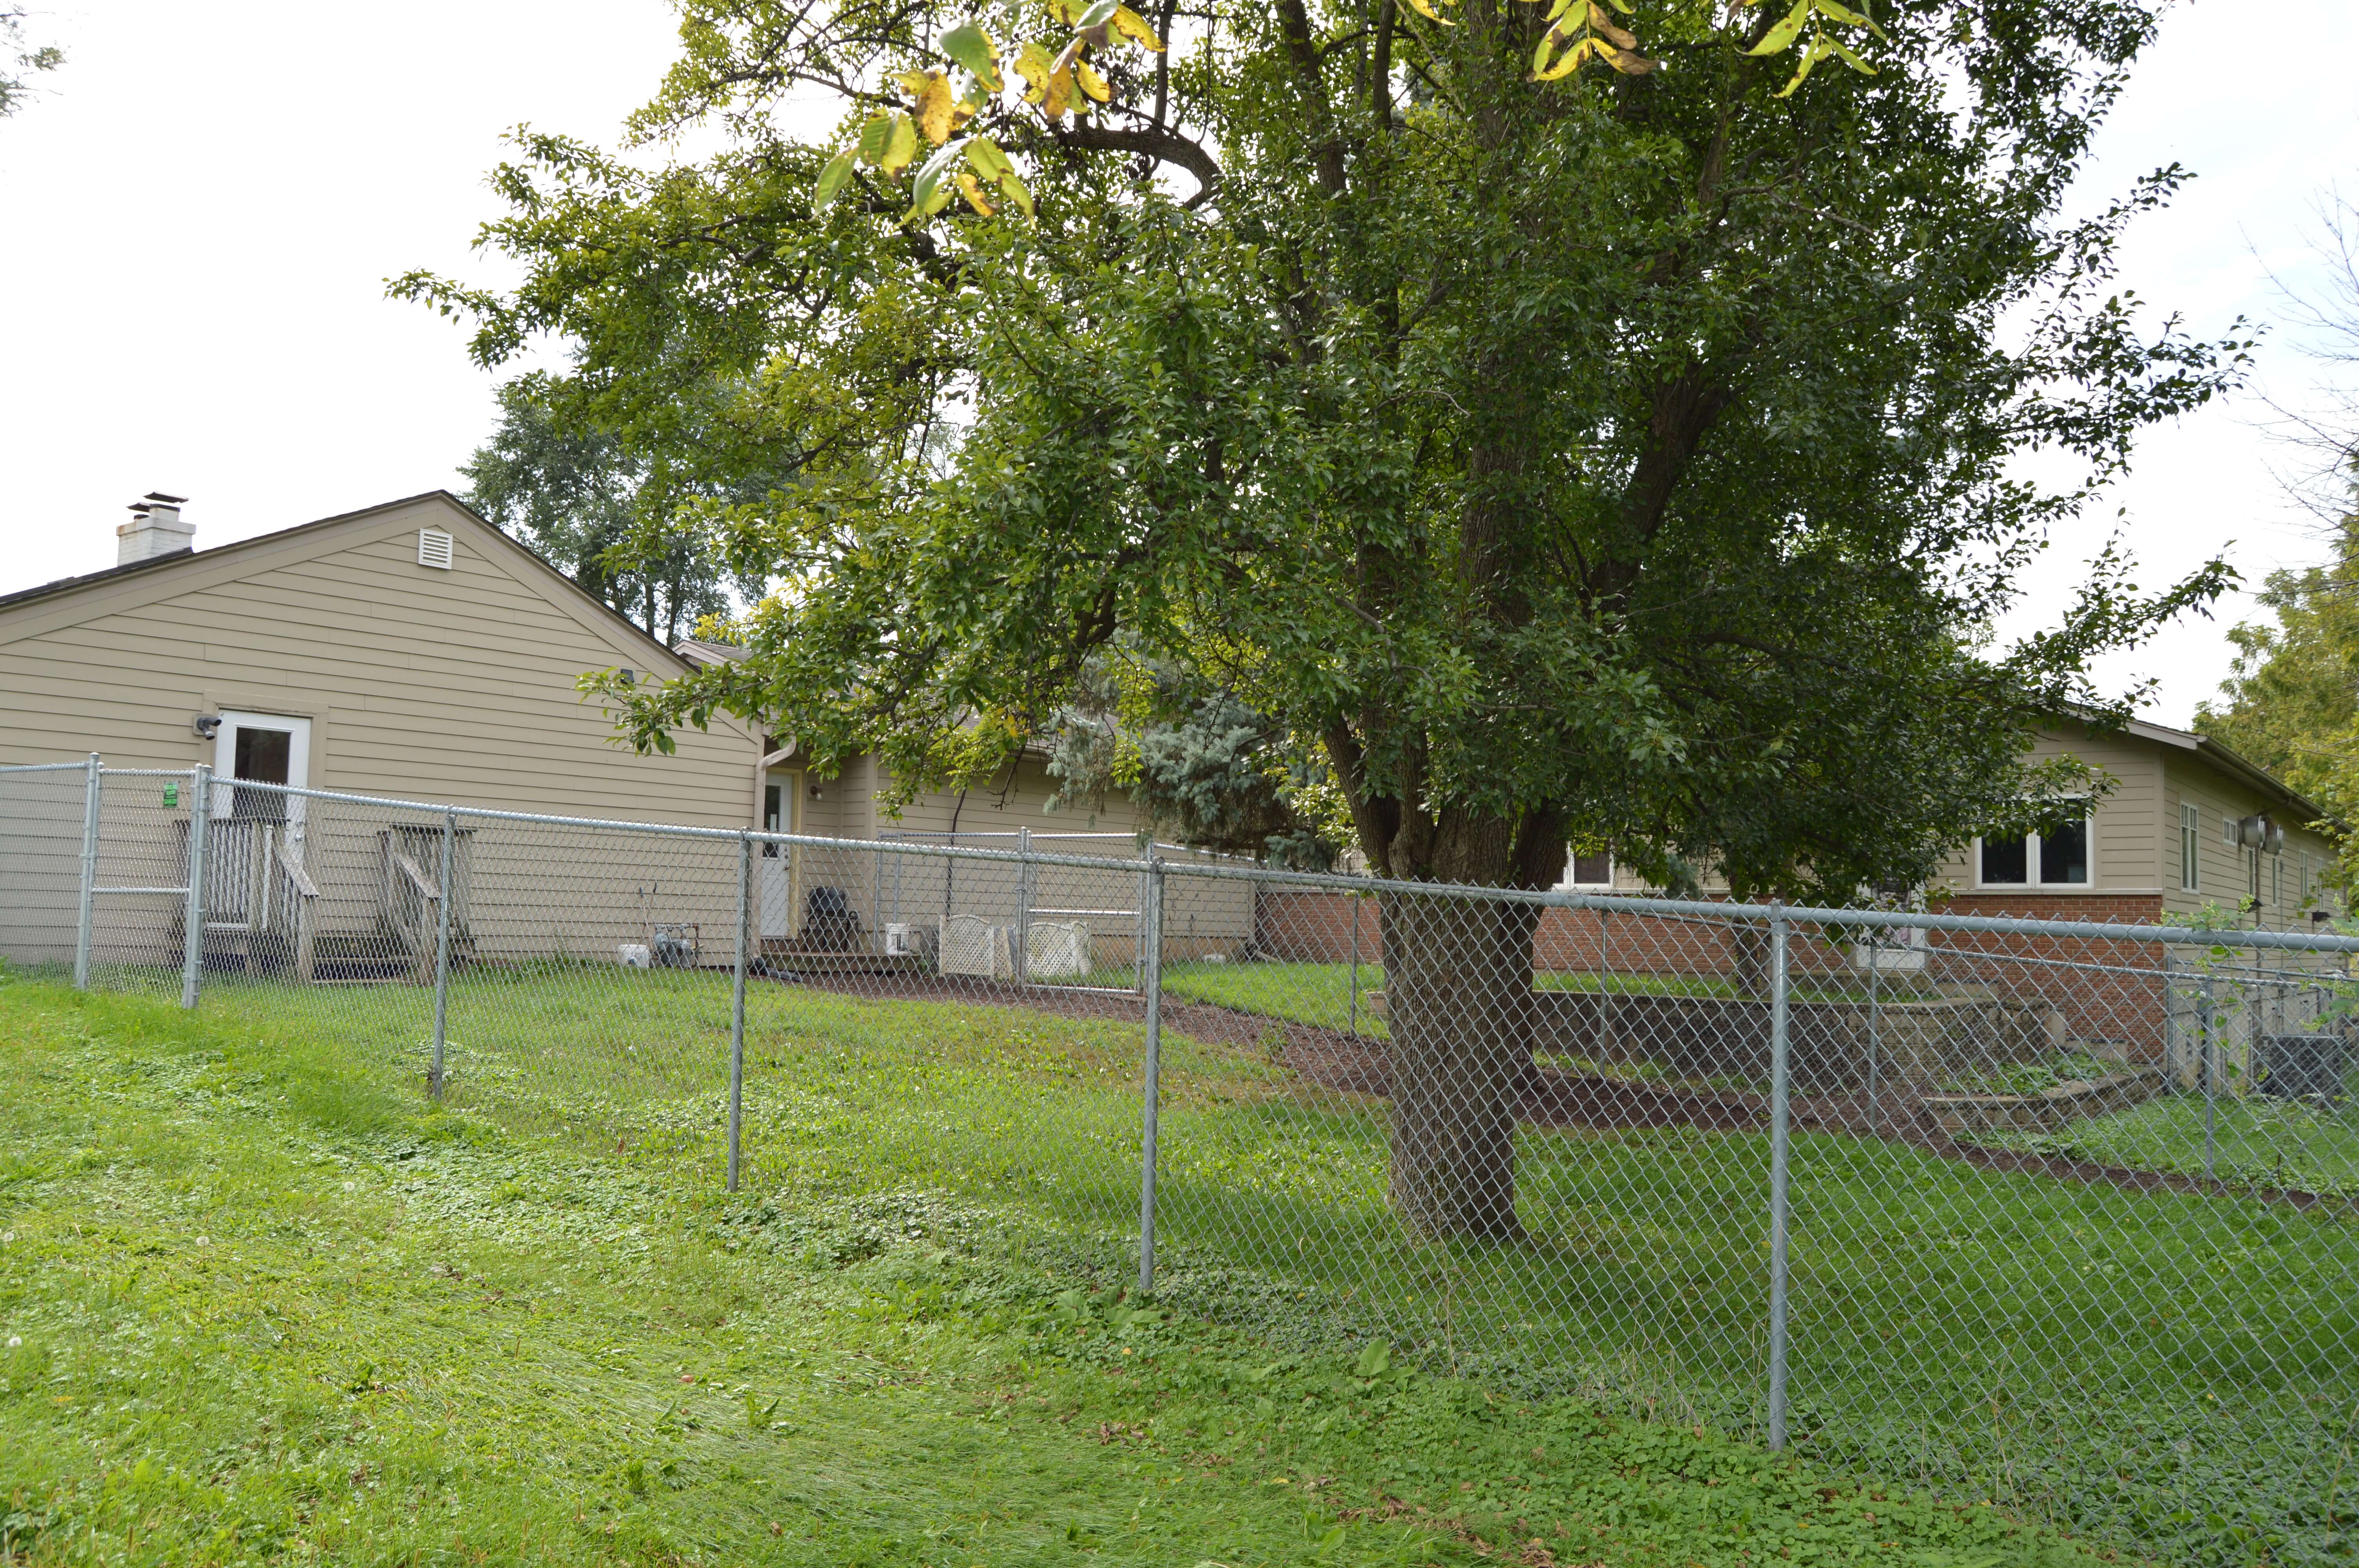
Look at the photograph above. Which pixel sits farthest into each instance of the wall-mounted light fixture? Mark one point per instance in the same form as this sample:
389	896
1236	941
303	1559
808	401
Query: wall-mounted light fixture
206	725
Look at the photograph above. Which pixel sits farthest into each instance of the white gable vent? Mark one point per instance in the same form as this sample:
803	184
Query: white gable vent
434	548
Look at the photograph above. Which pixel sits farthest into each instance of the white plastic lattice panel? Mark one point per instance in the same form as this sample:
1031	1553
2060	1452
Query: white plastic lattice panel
1055	950
973	946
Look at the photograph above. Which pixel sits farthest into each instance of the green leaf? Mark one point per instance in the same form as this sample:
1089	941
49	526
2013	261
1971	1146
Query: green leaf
874	138
1784	33
1097	15
1849	18
1376	1360
1810	56
929	195
1017	192
831	181
972	48
1850	58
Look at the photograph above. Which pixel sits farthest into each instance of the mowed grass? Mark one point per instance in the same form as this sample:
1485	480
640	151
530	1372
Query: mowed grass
2251	1141
2147	1366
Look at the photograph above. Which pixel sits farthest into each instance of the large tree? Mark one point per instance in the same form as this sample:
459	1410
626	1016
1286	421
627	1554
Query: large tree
626	525
1586	425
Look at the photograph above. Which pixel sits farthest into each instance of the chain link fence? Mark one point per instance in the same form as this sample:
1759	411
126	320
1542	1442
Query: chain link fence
2059	1216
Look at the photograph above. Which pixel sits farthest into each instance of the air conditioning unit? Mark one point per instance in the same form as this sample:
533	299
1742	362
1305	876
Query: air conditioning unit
906	939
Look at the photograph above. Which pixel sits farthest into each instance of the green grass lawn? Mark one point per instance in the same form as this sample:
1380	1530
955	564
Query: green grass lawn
2255	1141
927	1181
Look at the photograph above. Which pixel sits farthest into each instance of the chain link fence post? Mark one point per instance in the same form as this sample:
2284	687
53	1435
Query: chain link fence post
1019	961
2210	1046
84	913
201	817
1780	1087
1151	970
1352	903
737	1004
442	955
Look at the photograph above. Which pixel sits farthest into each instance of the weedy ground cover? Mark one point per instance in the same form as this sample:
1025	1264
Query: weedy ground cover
271	1304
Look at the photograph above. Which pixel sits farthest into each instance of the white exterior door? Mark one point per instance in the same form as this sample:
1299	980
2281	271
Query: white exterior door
776	886
269	748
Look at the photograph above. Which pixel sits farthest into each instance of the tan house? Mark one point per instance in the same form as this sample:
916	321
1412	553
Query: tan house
2186	824
413	651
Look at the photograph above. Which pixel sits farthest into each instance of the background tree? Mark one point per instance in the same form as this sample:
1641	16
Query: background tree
1613	454
20	61
2291	702
624	529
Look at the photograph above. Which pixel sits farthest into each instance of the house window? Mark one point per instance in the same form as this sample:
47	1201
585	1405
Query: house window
2058	858
1588	871
2191	852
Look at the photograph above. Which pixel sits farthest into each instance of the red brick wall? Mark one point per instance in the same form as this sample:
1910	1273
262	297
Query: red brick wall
2116	995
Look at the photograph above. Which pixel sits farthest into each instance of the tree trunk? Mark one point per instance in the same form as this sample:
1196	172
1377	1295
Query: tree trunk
1458	995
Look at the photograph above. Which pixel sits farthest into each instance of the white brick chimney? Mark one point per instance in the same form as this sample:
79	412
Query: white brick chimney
155	529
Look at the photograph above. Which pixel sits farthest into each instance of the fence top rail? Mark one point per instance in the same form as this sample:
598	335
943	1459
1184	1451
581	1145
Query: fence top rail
48	767
1792	915
1364	886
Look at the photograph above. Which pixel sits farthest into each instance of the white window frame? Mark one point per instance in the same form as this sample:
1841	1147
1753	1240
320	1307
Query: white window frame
2190	846
2031	861
299	761
1571	860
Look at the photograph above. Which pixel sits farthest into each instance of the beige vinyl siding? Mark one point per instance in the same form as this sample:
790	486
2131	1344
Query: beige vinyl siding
419	683
2226	869
2125	849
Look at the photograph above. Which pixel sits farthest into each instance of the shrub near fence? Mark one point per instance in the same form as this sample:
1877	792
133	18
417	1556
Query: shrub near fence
2057	1216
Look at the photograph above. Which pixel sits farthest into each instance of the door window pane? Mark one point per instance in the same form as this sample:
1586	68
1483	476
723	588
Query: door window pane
2064	853
262	755
771	804
2005	860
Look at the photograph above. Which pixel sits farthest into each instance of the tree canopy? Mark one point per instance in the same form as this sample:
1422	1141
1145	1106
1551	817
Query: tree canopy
1577	424
1621	454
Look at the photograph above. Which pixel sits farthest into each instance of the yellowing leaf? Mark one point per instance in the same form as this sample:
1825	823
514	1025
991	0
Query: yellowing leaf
1620	36
1062	11
988	161
1629	62
1849	18
900	146
1033	64
934	106
913	82
974	194
1091	83
831	181
1784	33
1060	95
1424	8
1131	25
1568	62
972	48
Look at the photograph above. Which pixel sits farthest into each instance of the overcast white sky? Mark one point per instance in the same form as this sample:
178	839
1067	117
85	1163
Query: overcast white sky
196	221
